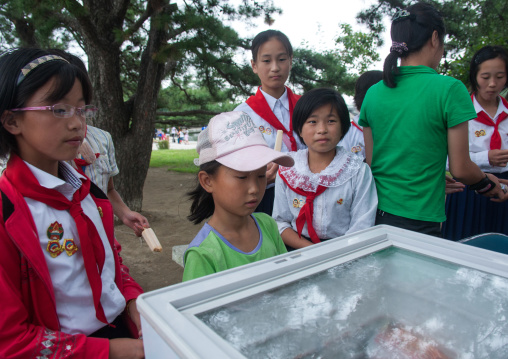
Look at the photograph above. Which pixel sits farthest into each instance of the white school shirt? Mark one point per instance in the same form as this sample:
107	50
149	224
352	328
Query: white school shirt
280	108
480	135
348	204
73	294
353	141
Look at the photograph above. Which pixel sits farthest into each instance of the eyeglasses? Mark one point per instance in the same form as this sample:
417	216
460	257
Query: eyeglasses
63	110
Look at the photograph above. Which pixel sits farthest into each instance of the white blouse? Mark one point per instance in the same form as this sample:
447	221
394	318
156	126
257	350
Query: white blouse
348	204
480	135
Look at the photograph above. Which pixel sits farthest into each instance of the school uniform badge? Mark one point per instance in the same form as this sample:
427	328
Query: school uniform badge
479	133
55	234
340	201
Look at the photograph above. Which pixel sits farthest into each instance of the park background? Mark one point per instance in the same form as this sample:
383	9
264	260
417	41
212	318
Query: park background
160	63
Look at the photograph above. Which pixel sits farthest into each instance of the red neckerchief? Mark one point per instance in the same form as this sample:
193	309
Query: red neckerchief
91	243
355	125
259	105
495	140
307	211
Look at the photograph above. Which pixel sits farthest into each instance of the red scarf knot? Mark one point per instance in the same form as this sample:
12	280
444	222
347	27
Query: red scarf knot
307	211
495	140
259	105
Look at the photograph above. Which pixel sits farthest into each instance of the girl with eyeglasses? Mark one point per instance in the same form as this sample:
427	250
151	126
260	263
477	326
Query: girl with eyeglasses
63	288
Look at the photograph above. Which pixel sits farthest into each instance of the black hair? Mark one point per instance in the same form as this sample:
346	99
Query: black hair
202	205
313	100
265	36
413	27
482	55
364	82
14	95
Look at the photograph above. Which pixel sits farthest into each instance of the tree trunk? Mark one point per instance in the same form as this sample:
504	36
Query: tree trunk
130	125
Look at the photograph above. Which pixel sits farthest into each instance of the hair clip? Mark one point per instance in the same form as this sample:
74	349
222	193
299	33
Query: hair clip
399	47
34	63
402	15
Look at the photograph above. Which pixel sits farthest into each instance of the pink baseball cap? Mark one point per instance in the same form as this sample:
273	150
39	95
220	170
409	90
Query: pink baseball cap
233	140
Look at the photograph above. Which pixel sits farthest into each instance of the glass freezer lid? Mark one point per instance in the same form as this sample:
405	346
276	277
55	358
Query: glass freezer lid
393	303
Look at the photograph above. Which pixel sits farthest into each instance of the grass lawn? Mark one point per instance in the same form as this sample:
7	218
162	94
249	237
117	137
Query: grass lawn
175	160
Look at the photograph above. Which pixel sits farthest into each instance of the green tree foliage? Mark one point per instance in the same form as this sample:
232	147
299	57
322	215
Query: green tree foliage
470	25
132	45
356	50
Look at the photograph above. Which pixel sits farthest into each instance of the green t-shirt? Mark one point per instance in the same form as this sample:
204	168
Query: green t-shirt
409	129
209	252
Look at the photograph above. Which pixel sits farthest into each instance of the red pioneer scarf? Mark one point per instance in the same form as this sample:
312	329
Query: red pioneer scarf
355	125
307	211
495	140
259	105
91	243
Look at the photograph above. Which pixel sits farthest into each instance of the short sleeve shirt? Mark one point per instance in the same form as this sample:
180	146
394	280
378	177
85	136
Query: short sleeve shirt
209	252
409	126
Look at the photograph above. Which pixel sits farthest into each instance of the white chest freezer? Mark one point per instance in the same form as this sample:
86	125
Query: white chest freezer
378	293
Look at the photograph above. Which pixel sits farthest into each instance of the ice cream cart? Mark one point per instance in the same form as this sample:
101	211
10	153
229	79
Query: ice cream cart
378	293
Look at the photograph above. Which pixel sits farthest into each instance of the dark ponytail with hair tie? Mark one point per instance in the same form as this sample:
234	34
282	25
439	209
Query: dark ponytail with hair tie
410	31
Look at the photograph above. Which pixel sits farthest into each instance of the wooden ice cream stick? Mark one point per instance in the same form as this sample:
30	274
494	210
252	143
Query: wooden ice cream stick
278	141
151	239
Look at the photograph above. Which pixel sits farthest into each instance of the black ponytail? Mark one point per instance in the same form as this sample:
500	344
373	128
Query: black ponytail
410	31
202	205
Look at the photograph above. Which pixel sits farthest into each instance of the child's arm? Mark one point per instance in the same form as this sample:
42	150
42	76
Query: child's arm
369	144
461	166
364	206
291	238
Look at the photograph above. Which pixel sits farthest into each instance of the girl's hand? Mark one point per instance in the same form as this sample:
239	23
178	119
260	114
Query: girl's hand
498	158
133	313
497	194
125	348
453	186
271	172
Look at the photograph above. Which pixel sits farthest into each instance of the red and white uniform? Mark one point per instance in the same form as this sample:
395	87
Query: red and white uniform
33	308
480	137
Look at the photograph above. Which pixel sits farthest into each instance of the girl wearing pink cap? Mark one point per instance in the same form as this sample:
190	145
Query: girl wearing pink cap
233	158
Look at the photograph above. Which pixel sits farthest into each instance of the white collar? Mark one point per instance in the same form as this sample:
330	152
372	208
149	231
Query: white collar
343	166
66	186
272	100
500	108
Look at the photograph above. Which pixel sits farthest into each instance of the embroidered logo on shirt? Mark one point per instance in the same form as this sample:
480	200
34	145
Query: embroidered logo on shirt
298	203
264	130
55	233
356	149
479	133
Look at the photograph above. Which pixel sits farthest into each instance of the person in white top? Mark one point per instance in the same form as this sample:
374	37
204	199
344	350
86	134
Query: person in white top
329	191
468	214
272	106
353	140
63	288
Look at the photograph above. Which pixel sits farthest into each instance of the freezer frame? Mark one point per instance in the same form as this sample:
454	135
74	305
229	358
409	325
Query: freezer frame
168	315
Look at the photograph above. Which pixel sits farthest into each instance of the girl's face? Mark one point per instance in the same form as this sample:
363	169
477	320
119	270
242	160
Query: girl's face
237	193
491	79
322	131
272	65
44	139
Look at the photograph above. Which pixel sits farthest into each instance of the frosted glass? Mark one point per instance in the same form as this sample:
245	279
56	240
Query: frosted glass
391	304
